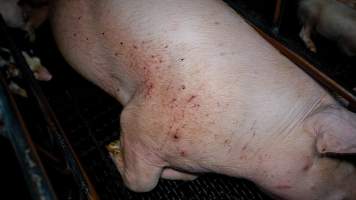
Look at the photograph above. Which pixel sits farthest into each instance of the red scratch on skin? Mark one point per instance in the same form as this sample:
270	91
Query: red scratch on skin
183	153
191	98
173	100
283	187
308	164
244	147
196	105
306	167
176	132
149	90
169	86
243	157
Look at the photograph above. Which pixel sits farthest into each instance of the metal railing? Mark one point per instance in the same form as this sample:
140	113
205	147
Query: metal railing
22	141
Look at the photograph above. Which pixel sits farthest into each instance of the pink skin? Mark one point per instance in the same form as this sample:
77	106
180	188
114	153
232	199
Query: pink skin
203	92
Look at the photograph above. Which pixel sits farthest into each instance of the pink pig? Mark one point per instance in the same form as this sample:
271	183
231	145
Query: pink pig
203	92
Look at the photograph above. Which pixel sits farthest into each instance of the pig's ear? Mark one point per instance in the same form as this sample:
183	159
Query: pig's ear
334	129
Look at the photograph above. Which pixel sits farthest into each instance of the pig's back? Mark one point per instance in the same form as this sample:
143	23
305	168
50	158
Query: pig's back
200	45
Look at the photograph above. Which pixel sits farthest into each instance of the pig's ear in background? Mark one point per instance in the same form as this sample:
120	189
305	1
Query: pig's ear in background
334	129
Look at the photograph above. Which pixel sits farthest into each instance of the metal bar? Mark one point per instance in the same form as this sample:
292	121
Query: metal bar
52	122
53	162
277	13
14	128
309	68
47	154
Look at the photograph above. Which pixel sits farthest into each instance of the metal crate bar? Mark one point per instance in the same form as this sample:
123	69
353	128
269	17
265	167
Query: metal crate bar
53	124
14	129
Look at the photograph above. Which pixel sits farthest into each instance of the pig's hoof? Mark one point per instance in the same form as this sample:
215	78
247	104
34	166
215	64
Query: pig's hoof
312	48
114	147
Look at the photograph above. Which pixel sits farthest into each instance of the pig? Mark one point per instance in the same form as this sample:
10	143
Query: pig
25	15
351	3
203	92
334	20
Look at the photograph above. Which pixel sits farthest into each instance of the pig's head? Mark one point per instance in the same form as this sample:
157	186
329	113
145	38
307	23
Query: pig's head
334	129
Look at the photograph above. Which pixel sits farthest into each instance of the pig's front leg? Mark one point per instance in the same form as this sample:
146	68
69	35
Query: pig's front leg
116	154
137	172
305	35
172	174
137	157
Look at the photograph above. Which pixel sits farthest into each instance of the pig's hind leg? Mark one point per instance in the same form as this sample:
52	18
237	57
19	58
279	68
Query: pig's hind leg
305	35
308	13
